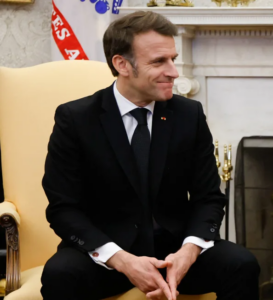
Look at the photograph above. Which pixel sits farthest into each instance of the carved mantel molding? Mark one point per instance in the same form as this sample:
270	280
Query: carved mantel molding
248	32
217	16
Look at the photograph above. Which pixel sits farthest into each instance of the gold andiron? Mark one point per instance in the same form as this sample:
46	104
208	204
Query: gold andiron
230	167
187	3
227	167
218	164
226	177
266	289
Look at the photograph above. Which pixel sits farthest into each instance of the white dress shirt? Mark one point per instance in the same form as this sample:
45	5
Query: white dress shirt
102	254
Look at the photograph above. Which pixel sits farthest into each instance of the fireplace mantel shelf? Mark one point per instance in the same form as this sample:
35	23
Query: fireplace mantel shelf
212	16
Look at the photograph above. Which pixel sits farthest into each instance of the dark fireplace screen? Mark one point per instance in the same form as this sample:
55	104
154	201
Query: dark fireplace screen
254	204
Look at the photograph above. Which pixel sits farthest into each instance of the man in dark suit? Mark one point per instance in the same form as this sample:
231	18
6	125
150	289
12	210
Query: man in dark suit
119	169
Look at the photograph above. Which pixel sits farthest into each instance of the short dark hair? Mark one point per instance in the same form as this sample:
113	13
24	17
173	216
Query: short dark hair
119	36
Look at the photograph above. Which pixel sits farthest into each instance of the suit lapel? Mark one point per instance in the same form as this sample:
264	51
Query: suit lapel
161	134
115	131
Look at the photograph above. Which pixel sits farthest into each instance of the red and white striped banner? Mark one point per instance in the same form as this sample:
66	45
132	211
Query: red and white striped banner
78	27
65	38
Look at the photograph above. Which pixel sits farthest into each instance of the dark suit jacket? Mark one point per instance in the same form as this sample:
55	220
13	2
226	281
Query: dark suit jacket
91	178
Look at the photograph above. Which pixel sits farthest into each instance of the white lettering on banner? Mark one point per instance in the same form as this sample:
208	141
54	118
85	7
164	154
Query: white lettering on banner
65	37
58	21
64	33
74	54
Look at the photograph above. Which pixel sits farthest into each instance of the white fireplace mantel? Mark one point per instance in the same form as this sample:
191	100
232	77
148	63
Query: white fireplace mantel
216	16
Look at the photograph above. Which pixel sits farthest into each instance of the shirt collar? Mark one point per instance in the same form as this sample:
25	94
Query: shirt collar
125	106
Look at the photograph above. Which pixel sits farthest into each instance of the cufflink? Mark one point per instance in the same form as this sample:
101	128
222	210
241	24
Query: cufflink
95	254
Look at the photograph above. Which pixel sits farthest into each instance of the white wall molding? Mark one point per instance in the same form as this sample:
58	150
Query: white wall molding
233	71
186	86
234	33
202	16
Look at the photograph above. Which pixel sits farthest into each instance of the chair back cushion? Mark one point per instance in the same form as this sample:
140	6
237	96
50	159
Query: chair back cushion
28	100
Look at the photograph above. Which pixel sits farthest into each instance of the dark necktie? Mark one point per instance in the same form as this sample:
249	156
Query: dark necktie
141	147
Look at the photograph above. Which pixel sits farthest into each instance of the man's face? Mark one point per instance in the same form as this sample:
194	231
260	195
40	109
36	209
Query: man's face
154	57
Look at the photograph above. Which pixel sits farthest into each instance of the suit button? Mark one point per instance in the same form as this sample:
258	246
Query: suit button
72	237
215	225
212	230
95	254
136	226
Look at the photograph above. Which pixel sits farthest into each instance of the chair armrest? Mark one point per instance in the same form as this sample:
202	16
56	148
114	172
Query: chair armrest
10	219
8	208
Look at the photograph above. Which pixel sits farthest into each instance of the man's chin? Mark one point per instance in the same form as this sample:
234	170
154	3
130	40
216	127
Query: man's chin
167	96
164	95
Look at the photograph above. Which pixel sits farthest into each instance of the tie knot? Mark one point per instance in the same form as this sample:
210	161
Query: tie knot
140	114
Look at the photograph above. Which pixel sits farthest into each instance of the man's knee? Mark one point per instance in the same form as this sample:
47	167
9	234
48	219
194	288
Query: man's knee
53	270
235	259
67	264
66	274
248	263
241	261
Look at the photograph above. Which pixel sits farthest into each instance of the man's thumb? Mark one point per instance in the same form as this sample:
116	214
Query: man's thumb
160	264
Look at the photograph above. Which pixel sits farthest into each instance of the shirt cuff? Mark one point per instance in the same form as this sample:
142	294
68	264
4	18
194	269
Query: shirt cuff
101	254
199	242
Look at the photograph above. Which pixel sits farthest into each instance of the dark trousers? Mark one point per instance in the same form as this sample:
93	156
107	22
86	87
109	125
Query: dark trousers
227	269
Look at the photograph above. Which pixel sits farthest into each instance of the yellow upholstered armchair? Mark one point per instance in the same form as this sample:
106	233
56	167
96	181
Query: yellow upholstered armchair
28	99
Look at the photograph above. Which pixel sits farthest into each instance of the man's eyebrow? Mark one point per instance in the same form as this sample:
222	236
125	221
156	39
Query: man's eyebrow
163	58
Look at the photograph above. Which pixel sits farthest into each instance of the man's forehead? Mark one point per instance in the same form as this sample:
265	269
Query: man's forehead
152	38
154	44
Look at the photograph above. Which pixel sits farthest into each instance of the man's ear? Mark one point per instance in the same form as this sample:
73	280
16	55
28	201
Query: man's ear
121	65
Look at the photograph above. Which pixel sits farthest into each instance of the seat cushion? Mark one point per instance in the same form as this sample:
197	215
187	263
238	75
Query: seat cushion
136	294
31	285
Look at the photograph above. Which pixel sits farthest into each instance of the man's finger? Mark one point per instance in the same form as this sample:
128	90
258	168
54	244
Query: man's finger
160	264
164	288
155	294
173	286
172	281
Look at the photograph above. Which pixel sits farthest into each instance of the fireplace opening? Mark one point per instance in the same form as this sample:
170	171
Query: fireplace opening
253	203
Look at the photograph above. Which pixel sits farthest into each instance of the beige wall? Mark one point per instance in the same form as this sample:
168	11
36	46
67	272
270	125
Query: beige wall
25	34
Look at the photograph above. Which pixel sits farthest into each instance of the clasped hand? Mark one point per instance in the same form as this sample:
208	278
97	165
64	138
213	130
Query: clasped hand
143	271
178	265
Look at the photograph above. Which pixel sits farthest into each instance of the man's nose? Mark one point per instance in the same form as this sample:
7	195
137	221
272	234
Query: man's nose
171	70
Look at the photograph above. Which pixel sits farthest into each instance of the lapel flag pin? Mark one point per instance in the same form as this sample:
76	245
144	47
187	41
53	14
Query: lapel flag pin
163	118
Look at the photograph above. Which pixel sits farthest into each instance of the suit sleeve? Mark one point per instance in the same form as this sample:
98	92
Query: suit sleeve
63	186
206	200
